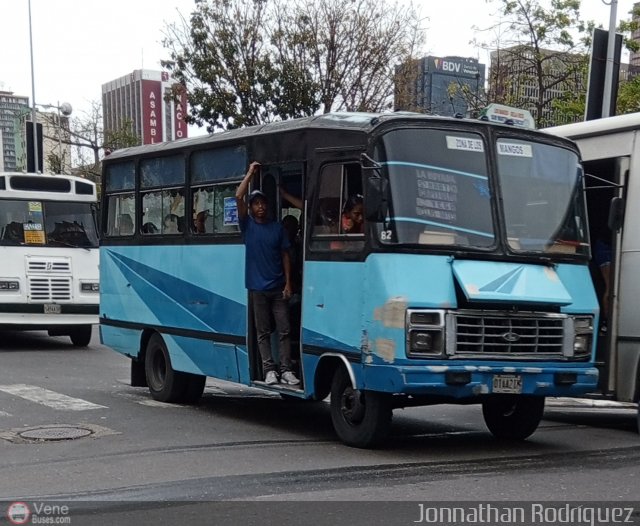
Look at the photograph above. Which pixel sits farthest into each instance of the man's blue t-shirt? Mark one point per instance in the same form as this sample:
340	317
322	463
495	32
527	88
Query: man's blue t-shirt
264	244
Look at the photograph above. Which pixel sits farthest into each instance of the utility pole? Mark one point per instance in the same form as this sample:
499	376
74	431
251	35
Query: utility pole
608	74
34	116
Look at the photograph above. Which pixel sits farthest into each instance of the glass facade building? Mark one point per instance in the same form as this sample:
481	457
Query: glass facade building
440	85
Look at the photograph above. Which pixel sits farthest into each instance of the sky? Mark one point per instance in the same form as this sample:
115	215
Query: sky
80	45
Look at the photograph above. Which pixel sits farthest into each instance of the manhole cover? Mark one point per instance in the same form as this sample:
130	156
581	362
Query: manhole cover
55	433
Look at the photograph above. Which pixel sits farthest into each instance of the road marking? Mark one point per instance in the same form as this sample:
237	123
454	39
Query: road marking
4	413
49	398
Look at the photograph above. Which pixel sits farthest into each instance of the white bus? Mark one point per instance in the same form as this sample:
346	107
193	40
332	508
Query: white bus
48	255
610	150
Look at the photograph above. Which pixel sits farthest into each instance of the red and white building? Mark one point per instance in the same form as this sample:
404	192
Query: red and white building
151	100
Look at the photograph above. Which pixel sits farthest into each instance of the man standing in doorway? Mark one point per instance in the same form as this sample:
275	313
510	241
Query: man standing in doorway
267	277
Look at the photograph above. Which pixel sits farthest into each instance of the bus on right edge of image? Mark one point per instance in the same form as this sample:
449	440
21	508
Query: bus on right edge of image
611	157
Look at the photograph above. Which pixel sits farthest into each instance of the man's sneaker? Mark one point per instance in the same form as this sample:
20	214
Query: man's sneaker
271	378
289	378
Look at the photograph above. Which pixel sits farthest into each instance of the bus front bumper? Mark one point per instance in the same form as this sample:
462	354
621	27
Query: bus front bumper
464	381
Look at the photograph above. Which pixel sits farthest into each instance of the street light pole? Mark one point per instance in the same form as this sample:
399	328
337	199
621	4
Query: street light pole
33	100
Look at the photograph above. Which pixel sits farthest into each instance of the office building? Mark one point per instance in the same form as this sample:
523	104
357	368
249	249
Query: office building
13	109
514	81
151	101
440	86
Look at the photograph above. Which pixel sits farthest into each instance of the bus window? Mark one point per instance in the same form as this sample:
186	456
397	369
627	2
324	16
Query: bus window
339	208
214	209
163	210
121	213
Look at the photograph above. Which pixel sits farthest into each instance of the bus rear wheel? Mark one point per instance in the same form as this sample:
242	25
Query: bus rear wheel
360	418
165	384
81	335
512	417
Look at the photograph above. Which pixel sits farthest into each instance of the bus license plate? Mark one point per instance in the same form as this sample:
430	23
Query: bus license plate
52	308
507	383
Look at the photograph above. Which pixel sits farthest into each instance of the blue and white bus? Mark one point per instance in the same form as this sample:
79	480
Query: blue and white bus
469	283
48	255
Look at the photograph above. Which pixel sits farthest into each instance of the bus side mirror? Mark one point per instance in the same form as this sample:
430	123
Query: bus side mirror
616	214
375	199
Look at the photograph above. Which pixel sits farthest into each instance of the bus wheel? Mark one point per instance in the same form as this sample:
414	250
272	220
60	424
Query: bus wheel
512	417
164	383
81	335
360	418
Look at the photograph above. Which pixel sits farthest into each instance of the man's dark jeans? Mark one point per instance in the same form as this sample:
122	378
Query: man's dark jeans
266	304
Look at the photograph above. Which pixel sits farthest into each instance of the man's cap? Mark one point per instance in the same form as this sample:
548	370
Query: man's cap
255	194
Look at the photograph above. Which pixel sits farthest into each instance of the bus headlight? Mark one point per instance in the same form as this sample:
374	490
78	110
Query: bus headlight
425	333
90	287
583	336
9	285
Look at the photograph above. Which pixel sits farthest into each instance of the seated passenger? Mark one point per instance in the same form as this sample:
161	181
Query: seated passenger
126	225
150	228
14	231
200	222
352	216
171	224
328	216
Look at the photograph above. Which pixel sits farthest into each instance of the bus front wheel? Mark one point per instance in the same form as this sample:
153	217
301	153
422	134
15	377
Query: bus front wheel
80	335
512	417
165	384
360	418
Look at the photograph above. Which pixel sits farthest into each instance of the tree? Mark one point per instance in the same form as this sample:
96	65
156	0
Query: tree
248	62
87	137
629	96
541	51
572	104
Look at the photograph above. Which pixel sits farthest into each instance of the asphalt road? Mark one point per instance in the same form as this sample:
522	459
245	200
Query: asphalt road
244	456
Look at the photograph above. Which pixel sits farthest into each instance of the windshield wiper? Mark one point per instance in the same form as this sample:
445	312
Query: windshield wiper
67	244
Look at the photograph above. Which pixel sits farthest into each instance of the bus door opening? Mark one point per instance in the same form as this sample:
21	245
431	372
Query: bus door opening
283	186
602	184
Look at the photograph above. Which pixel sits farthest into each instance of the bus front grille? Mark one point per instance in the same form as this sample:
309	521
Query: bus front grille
48	265
43	289
508	335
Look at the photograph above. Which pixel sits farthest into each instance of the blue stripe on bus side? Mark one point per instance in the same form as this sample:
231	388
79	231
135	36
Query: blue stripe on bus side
176	302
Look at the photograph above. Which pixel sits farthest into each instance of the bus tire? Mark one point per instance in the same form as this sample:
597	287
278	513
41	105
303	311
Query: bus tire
81	335
512	417
194	387
165	384
360	418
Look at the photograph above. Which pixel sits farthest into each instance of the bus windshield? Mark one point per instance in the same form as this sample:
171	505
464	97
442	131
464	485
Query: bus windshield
543	198
439	188
47	223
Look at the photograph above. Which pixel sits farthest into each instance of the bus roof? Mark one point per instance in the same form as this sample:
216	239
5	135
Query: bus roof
25	185
597	127
357	121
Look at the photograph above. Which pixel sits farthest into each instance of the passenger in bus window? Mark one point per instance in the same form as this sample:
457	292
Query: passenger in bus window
126	225
352	216
267	277
200	222
150	228
171	224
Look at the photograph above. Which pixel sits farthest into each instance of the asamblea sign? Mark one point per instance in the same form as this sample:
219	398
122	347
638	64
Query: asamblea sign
500	113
